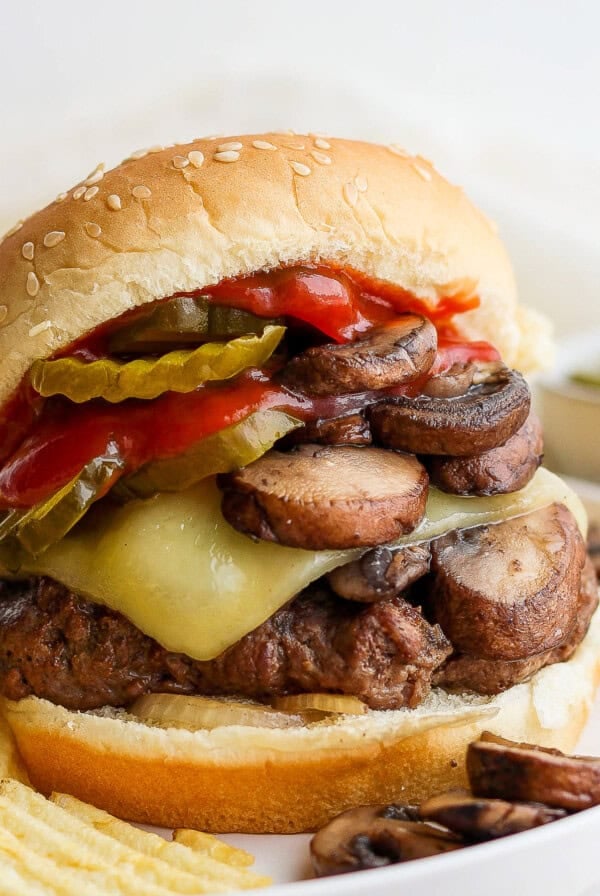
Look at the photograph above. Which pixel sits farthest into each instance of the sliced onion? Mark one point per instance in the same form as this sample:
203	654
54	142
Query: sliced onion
321	703
196	713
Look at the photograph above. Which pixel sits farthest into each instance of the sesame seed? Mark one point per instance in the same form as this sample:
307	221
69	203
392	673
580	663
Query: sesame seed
156	148
322	144
180	162
95	177
227	155
138	154
90	193
233	146
3	313
398	151
78	193
263	144
141	192
300	168
28	251
422	172
40	328
114	202
93	230
297	146
320	157
361	183
61	197
13	230
53	238
196	158
351	193
33	285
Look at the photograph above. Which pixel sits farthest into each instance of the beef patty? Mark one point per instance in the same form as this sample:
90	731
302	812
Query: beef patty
56	645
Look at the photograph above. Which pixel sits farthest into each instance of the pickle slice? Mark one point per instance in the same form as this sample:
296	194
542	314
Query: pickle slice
38	527
181	371
185	319
229	449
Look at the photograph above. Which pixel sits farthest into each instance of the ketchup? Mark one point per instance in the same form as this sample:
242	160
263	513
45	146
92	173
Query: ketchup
56	446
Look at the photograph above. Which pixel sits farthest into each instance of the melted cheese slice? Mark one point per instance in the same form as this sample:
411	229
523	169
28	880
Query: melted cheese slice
182	575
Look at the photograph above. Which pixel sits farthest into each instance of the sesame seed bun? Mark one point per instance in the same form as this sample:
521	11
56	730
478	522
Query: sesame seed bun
180	218
265	780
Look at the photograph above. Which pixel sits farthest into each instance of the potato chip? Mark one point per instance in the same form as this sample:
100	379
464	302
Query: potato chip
154	846
68	848
10	762
209	845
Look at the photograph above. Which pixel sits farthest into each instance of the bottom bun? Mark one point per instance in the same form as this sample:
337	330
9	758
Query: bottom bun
264	780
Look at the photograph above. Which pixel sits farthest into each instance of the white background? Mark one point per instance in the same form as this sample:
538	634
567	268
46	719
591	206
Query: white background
504	96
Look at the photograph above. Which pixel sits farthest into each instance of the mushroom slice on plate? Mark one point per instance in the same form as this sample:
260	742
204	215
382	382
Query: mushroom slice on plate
323	498
485	416
498	471
478	818
380	573
373	836
509	590
386	356
513	771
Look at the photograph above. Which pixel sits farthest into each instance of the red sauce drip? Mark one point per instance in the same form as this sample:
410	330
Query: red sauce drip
57	438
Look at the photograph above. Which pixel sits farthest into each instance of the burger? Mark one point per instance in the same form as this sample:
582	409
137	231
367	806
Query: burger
274	536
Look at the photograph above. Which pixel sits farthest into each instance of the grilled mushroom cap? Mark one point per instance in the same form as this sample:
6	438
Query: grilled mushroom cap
477	818
499	471
501	768
380	573
462	672
373	836
351	429
327	498
395	353
509	590
482	418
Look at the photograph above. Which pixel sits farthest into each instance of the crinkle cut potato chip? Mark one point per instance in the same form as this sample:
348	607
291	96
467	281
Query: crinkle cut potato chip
10	762
65	847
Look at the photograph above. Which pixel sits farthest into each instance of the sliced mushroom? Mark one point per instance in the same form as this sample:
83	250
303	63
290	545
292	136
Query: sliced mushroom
499	471
486	416
327	498
373	836
386	356
457	380
463	673
353	429
381	573
514	771
509	590
478	819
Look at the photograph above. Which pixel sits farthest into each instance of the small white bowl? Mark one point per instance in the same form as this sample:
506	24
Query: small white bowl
570	412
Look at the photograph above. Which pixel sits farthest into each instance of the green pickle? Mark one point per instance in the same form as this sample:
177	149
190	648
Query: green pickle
179	371
587	378
233	447
185	319
37	528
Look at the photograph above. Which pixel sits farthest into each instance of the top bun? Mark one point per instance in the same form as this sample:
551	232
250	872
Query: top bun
181	218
